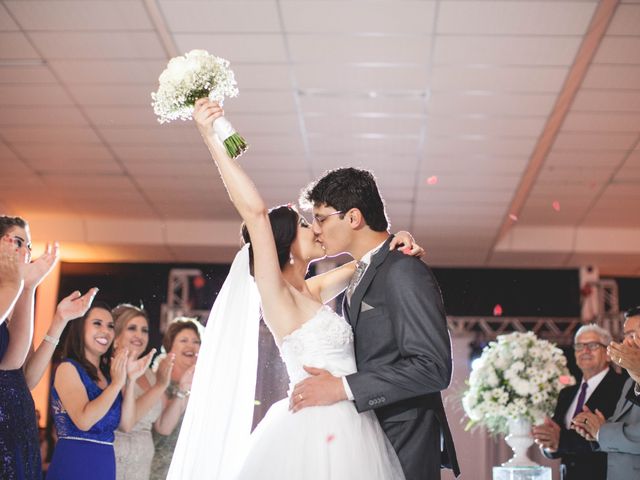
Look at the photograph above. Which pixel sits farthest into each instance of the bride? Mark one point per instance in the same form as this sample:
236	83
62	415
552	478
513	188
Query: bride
326	442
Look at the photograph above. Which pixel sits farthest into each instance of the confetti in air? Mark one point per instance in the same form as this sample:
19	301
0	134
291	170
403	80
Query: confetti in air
330	438
432	180
513	217
556	205
497	310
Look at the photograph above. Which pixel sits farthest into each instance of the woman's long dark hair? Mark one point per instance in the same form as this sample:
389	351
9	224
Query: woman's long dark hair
284	225
74	345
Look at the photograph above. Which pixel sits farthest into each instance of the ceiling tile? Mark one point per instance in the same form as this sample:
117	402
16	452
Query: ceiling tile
113	95
332	49
351	104
239	16
28	96
51	134
339	17
607	101
514	18
489	146
98	45
595	141
580	158
612	76
6	22
122	116
92	15
449	78
77	152
624	50
601	122
400	145
476	50
261	102
491	104
360	78
626	21
15	46
472	164
439	125
236	47
152	152
349	124
262	76
160	134
46	116
21	74
110	71
265	123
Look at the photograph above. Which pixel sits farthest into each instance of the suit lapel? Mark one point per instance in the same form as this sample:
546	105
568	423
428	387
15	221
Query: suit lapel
369	274
623	404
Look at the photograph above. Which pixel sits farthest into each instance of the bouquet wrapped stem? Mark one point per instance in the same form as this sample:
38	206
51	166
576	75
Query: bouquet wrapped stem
232	141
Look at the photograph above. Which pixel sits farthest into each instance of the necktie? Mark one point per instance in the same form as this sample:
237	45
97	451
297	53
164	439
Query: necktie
355	279
581	397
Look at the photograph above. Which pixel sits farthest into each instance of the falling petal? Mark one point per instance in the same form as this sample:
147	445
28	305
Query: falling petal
556	205
497	310
513	217
432	180
330	438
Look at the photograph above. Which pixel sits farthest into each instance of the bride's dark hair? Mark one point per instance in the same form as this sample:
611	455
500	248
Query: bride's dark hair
284	225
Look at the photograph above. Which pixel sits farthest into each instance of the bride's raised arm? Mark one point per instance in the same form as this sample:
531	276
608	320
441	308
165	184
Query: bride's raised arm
277	303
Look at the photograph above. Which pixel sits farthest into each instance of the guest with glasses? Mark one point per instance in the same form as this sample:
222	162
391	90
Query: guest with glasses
619	436
599	388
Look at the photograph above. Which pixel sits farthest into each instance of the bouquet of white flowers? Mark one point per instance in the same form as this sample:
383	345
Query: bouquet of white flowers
195	75
518	376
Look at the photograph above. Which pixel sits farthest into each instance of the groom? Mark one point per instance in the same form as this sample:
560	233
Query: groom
394	305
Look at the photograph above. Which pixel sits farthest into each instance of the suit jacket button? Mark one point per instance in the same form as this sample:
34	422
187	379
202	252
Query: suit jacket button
371	403
382	399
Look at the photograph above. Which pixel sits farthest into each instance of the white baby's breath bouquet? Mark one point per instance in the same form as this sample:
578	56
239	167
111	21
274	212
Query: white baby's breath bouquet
517	376
195	75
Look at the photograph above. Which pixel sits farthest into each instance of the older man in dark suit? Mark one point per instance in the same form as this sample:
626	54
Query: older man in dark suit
600	389
619	435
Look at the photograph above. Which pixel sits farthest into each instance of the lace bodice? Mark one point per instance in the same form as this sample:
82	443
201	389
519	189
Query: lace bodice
324	341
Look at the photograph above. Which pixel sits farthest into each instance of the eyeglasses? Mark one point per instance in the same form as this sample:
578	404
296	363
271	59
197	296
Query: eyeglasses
322	218
591	346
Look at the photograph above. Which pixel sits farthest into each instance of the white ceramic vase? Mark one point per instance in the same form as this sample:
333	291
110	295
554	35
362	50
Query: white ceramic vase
519	439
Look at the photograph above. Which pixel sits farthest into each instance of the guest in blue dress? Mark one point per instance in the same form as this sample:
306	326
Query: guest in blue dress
89	399
19	444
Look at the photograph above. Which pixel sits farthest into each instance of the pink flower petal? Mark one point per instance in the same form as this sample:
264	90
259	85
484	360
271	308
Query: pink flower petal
556	205
432	180
513	217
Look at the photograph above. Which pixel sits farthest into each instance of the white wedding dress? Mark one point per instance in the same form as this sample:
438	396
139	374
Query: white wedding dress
328	442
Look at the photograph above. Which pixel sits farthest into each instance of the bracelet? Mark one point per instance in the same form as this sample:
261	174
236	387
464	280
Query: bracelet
183	393
52	340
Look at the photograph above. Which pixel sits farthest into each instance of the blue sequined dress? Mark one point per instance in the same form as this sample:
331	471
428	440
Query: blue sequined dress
19	445
80	454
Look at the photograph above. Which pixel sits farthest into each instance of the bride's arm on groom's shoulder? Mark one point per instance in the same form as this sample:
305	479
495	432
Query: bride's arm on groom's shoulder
330	284
277	300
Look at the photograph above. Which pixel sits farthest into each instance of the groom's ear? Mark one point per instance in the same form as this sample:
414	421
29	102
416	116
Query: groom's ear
355	218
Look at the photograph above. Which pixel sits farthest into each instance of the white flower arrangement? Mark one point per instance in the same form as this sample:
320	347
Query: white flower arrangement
519	375
195	75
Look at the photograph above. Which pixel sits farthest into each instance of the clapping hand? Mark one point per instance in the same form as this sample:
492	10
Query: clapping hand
627	355
547	435
163	375
75	305
136	367
36	271
119	368
587	424
187	378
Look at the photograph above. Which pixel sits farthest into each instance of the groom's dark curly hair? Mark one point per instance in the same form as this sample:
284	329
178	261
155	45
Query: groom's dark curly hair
347	188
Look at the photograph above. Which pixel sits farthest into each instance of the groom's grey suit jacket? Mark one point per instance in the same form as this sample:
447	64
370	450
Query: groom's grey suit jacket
620	437
403	354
